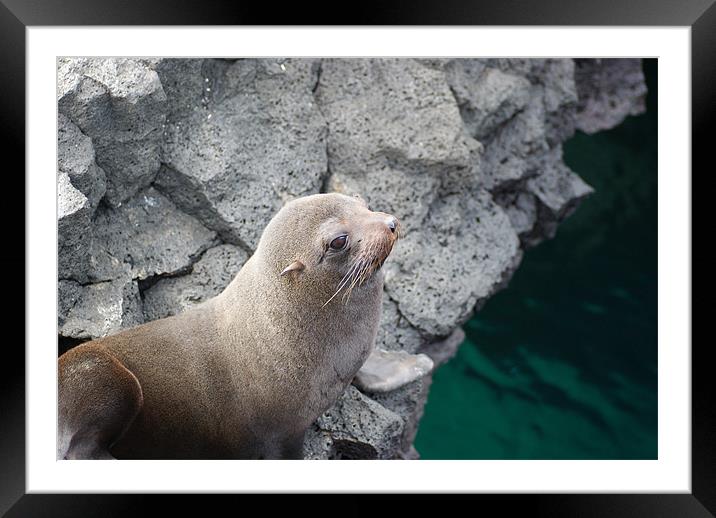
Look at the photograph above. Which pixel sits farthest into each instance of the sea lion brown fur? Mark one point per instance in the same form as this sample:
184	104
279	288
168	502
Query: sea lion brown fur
244	374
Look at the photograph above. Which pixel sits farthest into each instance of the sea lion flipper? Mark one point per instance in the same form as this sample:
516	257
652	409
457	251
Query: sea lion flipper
99	398
384	371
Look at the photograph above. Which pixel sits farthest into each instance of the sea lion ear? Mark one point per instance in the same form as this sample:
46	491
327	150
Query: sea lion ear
295	266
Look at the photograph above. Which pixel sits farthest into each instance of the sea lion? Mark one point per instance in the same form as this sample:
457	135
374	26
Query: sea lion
242	375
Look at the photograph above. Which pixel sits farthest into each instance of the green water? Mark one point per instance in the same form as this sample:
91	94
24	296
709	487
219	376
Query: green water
563	363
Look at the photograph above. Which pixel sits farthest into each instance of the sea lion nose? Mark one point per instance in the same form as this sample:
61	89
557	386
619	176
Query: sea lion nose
392	223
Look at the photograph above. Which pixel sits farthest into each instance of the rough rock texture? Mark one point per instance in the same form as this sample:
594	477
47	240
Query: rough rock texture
463	237
121	105
76	158
98	309
250	138
609	90
395	134
208	277
169	169
151	236
74	215
355	428
81	183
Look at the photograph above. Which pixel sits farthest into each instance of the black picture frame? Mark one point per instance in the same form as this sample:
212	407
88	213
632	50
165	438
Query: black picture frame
17	15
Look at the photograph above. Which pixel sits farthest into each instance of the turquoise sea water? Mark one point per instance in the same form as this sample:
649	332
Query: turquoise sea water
563	363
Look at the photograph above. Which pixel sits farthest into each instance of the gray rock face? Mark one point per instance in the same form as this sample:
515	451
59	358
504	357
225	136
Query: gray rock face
113	249
557	191
98	309
487	96
609	91
74	213
395	134
355	428
395	332
209	276
254	139
76	158
80	185
408	402
120	104
459	257
151	236
169	169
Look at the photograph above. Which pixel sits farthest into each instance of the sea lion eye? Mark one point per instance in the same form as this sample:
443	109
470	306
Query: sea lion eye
339	243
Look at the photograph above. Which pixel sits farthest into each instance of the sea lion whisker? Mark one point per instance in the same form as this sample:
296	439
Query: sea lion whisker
332	296
345	278
368	269
353	272
342	283
363	264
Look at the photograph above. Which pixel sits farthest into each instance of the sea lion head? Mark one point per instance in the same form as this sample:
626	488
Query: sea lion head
328	244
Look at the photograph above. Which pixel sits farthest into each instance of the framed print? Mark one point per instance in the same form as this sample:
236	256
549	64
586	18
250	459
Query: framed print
469	148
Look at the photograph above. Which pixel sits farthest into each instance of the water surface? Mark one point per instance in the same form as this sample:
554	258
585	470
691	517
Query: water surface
563	363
